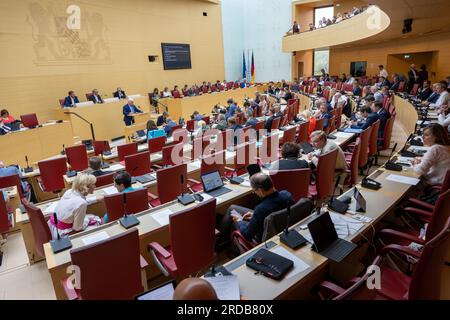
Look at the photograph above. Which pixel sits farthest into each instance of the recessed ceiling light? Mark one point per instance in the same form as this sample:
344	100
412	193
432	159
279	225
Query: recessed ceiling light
338	4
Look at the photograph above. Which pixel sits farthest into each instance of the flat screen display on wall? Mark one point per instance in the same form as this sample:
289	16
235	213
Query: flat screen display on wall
176	56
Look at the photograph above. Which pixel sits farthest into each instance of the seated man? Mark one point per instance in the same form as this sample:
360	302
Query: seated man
237	129
377	107
275	113
364	119
169	125
196	116
323	114
290	152
120	93
231	109
425	92
128	110
166	93
71	100
222	123
95	97
251	222
162	119
13	169
251	120
95	167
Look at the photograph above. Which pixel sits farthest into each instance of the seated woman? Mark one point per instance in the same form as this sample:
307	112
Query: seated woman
5	117
434	164
71	208
153	131
201	128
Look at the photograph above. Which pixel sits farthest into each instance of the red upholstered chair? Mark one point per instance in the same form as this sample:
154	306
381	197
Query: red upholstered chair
401	86
331	125
414	89
364	149
302	135
192	241
324	176
353	162
156	144
245	155
205	89
41	231
101	146
213	162
387	134
229	85
29	120
168	159
207	120
426	280
88	96
4	221
175	128
319	124
284	120
171	182
61	102
110	269
289	135
104	180
136	201
213	88
295	181
138	164
12	180
77	157
52	174
176	94
269	149
127	149
338	117
275	124
221	88
373	140
190	125
260	125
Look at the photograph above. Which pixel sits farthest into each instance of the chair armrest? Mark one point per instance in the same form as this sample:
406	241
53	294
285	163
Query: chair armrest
155	246
237	235
397	234
152	196
143	262
70	293
400	249
331	288
229	169
421	203
193	181
156	166
422	213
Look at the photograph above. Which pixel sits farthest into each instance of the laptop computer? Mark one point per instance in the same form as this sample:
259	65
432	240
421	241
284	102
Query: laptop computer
162	292
213	184
306	147
140	133
146	178
326	241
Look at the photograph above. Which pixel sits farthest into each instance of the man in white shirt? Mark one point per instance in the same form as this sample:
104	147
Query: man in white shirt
383	72
443	97
166	93
444	115
376	94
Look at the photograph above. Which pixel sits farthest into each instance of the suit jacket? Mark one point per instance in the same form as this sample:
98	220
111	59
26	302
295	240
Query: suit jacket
384	115
433	97
424	94
160	121
411	77
395	86
68	101
371	119
126	110
386	83
289	164
92	98
327	116
120	94
357	91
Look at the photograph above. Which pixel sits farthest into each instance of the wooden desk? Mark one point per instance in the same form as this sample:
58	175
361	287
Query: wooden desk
184	107
107	118
38	143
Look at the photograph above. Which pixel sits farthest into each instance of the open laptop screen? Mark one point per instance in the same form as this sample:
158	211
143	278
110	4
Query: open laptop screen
322	231
211	181
163	292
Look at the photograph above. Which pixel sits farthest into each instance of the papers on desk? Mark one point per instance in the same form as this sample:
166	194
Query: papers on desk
109	100
402	179
246	182
96	237
226	287
207	197
299	265
116	167
164	292
162	217
196	164
110	190
418	148
51	207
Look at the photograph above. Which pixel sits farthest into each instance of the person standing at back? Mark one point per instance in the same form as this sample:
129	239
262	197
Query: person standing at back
413	76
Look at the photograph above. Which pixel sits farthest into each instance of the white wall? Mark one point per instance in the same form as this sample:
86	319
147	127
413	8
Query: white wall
257	25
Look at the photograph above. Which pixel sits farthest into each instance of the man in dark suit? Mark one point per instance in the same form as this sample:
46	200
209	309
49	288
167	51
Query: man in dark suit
71	100
290	152
357	91
162	119
367	119
413	76
323	113
128	109
425	92
119	94
384	83
95	97
237	129
377	107
275	113
95	167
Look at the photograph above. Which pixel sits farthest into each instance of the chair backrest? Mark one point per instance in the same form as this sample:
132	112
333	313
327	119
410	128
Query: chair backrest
302	135
190	125
77	157
41	231
373	140
135	201
277	221
325	174
105	180
289	135
172	181
285	119
354	162
88	96
441	212
101	146
331	124
12	180
269	148
446	183
364	149
156	144
115	258
61	102
170	159
205	89
229	85
138	164
192	237
29	120
127	149
207	120
174	128
401	86
213	162
414	89
260	125
275	123
239	116
52	174
338	116
4	221
213	88
295	181
176	94
427	279
388	133
319	124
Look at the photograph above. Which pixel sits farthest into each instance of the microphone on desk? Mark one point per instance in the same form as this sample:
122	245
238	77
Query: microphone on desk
28	168
368	182
391	165
63	152
127	221
338	205
291	238
183	198
60	244
70	172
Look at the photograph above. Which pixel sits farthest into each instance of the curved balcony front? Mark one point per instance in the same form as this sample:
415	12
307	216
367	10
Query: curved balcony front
362	26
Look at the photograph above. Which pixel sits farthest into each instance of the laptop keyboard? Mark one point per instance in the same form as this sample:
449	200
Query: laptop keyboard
218	192
338	250
145	178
